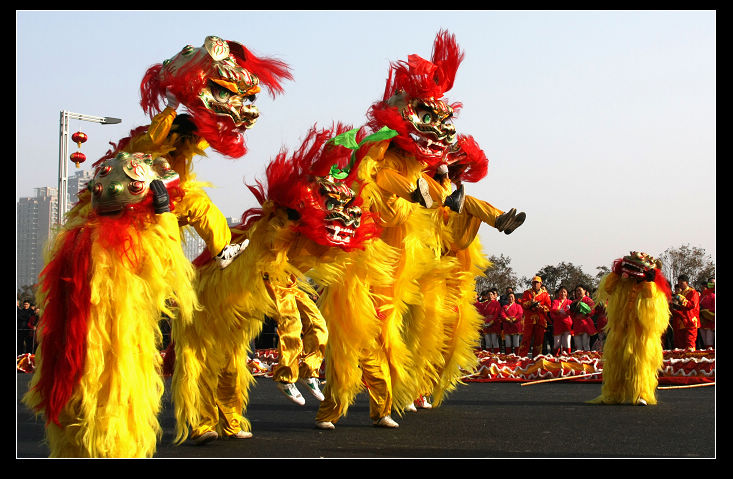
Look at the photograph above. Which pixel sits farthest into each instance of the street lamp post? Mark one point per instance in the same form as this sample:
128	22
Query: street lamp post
64	153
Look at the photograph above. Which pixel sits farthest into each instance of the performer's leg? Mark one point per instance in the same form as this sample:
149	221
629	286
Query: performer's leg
208	410
230	400
577	341
315	336
482	210
566	341
539	336
289	329
586	341
375	371
492	216
556	343
526	339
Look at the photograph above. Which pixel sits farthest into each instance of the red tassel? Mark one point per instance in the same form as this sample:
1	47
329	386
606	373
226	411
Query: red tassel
63	325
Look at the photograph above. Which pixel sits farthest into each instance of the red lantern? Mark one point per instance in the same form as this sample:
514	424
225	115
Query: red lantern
79	137
78	157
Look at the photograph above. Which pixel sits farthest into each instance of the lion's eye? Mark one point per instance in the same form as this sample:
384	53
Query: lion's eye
221	94
136	187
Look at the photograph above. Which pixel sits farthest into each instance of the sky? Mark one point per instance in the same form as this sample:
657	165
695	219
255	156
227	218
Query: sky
600	125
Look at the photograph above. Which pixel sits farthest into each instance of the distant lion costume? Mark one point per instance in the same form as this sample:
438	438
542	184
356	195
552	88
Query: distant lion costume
638	315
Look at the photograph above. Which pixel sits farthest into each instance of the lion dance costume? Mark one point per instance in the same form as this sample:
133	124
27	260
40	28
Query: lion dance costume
309	222
112	273
217	83
638	315
425	327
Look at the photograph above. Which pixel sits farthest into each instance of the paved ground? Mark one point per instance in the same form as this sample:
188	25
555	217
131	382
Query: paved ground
479	420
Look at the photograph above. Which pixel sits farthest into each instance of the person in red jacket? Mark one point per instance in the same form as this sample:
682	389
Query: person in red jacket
536	304
562	322
511	324
685	314
583	327
491	310
707	314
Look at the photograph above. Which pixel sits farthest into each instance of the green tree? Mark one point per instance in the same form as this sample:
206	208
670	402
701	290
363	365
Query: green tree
567	275
693	261
499	275
28	292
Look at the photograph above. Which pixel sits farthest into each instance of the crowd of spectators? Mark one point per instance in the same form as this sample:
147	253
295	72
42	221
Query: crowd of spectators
567	320
536	321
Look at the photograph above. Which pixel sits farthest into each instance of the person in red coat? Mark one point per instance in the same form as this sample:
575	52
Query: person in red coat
583	327
491	310
536	304
685	314
600	318
707	314
511	324
562	322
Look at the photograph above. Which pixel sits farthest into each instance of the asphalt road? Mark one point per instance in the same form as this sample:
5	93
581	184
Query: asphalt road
478	420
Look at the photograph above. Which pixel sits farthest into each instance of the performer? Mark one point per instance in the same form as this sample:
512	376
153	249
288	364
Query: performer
535	304
111	275
707	314
435	239
562	322
491	310
481	301
511	315
217	83
685	314
600	319
638	315
309	222
580	311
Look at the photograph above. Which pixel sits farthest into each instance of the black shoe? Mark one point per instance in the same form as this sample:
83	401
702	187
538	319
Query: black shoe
422	194
504	219
455	200
515	223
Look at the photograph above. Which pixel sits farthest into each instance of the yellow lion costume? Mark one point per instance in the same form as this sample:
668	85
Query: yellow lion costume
112	273
638	315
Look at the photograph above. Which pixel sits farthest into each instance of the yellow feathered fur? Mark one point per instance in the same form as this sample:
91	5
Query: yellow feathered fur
113	410
638	315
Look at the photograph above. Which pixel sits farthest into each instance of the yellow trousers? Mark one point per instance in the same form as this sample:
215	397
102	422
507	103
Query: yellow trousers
302	334
376	376
394	182
223	409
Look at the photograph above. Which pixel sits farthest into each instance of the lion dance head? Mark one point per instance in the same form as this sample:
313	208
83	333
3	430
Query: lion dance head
217	83
414	105
321	202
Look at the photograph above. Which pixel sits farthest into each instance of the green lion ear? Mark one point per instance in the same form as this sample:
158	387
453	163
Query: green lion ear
337	173
348	140
384	134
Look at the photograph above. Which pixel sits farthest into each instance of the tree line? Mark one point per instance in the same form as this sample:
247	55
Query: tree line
690	260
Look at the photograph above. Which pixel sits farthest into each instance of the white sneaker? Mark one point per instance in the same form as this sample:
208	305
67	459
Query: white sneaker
411	408
240	435
325	425
422	403
313	387
205	437
641	402
291	392
230	252
386	421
